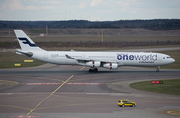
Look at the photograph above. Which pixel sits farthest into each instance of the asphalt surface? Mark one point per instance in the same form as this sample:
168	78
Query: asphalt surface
52	91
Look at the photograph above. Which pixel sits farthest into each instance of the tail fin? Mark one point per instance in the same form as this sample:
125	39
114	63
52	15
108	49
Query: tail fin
25	42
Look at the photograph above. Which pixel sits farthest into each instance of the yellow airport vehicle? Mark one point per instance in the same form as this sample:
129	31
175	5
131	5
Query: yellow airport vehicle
125	102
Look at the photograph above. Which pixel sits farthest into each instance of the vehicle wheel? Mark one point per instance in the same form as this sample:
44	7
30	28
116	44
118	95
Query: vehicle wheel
133	105
123	105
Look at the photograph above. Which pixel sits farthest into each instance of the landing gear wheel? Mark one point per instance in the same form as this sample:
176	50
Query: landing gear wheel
157	70
90	70
93	70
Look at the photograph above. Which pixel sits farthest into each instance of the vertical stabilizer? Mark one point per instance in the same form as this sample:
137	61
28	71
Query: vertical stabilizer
25	42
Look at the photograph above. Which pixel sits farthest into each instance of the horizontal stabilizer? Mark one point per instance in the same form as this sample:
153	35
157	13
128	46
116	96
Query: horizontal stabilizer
21	52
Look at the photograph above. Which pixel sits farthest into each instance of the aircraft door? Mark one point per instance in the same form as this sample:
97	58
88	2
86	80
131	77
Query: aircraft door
159	57
45	55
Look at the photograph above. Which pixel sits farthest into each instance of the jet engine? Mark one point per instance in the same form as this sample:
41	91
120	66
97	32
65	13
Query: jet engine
111	65
93	64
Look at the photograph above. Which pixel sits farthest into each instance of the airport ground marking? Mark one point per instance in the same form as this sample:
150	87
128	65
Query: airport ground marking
49	95
24	116
94	78
89	78
82	68
174	112
66	105
100	78
32	95
16	107
83	83
43	83
66	83
66	95
48	79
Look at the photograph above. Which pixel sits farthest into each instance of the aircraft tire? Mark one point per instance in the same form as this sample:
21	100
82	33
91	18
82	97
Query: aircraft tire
90	70
93	70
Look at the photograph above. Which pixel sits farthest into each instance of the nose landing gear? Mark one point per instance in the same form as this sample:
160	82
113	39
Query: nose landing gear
158	67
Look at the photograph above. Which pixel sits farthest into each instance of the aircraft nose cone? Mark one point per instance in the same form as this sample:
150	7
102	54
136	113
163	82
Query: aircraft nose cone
173	60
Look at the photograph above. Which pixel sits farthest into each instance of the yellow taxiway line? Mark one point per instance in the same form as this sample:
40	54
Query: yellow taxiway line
82	68
49	95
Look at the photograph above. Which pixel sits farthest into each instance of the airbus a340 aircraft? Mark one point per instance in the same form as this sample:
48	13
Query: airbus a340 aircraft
109	60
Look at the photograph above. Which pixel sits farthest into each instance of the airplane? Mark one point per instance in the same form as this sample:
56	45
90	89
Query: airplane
94	60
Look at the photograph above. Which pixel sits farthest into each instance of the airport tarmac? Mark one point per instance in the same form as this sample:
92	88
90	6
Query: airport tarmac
53	91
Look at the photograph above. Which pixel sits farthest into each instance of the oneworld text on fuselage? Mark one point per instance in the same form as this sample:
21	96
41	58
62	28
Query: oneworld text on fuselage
149	57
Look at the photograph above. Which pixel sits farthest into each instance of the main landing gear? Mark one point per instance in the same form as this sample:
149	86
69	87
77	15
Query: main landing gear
158	67
93	70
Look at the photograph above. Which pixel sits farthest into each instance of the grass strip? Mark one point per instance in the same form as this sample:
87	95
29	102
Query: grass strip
168	86
8	59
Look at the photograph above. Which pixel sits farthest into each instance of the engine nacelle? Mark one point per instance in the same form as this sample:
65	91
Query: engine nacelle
93	64
111	65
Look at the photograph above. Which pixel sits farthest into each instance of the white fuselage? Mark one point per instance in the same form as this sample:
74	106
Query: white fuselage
121	58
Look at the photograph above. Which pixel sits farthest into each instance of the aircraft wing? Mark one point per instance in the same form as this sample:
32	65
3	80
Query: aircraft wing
89	59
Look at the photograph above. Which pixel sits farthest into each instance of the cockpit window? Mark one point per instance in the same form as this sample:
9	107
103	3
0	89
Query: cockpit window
168	57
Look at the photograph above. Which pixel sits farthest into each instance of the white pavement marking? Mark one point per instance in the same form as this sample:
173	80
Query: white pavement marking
60	83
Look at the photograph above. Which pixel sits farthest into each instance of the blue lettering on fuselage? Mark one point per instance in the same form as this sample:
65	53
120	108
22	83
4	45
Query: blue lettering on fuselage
150	57
54	55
